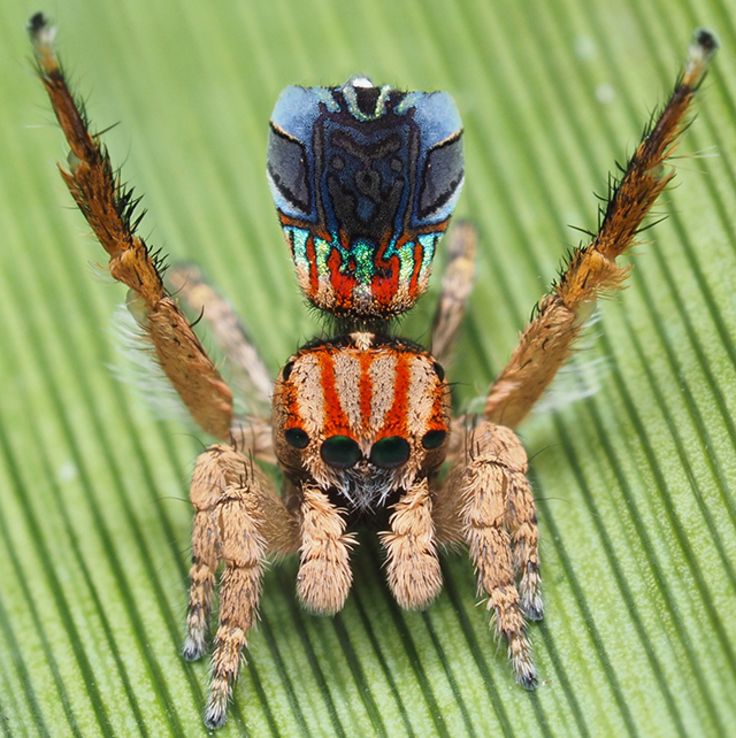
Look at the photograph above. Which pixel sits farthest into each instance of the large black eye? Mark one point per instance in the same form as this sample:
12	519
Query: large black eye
340	451
433	439
296	437
390	452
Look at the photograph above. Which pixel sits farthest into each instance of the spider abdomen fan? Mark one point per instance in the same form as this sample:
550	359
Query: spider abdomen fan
364	180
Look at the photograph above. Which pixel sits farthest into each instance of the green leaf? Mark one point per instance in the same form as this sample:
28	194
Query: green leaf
635	484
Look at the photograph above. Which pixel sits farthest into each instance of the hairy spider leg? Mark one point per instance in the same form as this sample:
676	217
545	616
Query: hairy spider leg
239	519
547	341
486	503
457	284
110	209
251	378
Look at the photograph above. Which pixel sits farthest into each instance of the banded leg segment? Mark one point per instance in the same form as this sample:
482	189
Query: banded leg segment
521	521
412	566
243	554
238	520
109	208
486	502
205	559
547	341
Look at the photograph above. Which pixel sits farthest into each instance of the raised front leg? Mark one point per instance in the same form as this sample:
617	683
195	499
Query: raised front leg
486	502
238	520
547	341
110	209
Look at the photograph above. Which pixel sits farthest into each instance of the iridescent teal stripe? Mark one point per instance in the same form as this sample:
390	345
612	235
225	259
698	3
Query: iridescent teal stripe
362	254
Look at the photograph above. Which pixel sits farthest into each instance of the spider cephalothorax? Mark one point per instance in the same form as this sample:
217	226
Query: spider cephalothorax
364	415
364	179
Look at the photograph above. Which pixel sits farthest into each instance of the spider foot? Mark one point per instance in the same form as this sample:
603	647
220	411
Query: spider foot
215	714
525	672
507	619
533	609
520	655
195	646
229	644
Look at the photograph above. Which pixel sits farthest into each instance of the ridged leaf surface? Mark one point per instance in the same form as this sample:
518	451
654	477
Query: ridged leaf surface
635	485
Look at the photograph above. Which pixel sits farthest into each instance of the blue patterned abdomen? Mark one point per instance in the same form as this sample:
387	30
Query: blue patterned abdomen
364	179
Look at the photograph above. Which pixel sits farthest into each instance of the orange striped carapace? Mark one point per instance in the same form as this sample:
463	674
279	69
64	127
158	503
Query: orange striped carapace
386	402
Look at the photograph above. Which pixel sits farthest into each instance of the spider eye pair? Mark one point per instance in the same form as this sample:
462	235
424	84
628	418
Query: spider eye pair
343	452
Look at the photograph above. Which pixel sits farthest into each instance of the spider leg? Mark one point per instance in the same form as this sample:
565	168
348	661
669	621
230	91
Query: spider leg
238	520
109	209
457	284
412	566
252	436
252	377
546	342
486	503
324	577
521	519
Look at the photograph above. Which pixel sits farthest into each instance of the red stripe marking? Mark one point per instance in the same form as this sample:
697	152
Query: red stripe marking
433	228
290	400
396	421
314	228
438	418
343	284
385	285
335	422
418	257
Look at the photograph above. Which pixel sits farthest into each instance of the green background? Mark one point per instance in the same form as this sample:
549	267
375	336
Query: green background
635	485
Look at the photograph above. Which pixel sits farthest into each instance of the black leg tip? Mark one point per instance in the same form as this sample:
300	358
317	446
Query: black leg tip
528	680
193	650
214	717
706	40
37	22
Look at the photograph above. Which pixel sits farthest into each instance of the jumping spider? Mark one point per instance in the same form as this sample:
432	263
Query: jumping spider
364	179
